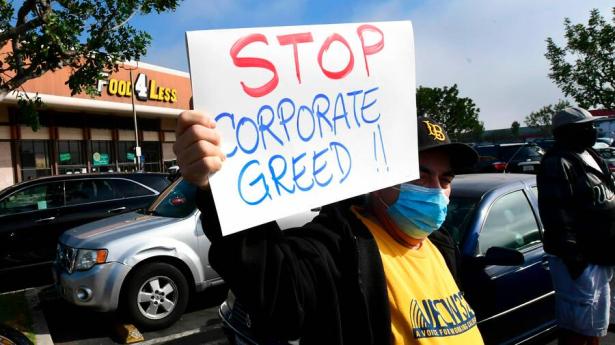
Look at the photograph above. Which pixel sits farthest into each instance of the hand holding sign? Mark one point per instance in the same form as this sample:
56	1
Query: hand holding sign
197	147
309	115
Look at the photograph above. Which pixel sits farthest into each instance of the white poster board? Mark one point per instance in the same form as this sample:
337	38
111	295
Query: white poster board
308	115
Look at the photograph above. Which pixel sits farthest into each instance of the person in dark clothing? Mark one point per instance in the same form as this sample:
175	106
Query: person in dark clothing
577	206
356	274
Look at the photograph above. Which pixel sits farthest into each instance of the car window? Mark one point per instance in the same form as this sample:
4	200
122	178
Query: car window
157	182
104	190
80	192
507	152
128	189
459	213
178	201
509	224
607	153
488	151
39	197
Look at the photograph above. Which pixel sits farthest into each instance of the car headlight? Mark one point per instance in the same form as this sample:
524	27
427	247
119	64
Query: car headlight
87	258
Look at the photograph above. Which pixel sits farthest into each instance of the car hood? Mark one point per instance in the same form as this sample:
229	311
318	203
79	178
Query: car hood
109	229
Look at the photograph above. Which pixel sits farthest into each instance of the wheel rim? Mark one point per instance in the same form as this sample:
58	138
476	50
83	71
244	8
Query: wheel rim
157	297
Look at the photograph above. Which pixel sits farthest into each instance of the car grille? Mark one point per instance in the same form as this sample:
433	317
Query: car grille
65	257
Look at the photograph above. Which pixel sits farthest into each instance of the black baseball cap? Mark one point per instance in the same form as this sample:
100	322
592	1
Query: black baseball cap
571	115
431	135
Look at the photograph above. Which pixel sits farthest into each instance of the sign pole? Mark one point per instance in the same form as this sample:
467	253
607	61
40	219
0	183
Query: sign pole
134	115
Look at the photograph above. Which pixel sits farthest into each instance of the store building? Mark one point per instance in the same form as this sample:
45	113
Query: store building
84	134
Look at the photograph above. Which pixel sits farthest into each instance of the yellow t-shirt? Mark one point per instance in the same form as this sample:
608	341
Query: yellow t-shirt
426	304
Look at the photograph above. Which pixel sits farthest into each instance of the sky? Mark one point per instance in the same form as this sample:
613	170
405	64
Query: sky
492	49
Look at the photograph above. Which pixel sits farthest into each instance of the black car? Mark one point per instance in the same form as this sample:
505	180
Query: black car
514	158
34	213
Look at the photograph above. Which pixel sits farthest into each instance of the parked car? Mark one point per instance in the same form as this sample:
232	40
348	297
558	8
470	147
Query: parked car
144	263
608	154
514	158
494	221
34	213
545	144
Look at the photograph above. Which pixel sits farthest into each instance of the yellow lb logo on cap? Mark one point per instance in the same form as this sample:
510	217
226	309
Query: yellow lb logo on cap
435	131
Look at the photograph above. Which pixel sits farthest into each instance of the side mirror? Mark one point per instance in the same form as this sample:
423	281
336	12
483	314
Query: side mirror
500	256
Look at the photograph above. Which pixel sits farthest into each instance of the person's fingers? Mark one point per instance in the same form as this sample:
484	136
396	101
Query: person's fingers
195	172
193	134
191	117
198	150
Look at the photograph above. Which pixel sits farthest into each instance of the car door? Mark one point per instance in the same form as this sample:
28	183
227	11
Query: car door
512	301
29	219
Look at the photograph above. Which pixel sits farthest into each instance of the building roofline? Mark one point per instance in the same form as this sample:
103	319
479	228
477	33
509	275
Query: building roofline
75	103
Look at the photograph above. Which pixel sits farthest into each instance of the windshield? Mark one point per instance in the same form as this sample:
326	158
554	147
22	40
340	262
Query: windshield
460	212
177	201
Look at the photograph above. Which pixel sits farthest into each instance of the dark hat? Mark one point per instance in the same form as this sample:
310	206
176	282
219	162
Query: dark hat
571	115
432	135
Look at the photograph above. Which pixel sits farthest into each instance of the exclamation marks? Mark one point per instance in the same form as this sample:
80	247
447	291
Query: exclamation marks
378	139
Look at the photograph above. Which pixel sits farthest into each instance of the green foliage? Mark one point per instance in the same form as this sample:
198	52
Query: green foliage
458	115
584	69
542	117
28	109
514	128
89	36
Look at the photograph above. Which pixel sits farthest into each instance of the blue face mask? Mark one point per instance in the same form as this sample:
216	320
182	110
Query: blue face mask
418	211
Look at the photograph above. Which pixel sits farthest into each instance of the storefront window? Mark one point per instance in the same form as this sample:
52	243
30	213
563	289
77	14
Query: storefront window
35	161
151	156
71	157
102	158
126	156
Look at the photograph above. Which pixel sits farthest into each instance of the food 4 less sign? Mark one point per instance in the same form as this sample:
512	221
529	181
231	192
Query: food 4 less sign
144	89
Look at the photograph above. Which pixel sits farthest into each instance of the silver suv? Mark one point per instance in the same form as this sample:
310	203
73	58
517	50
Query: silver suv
142	263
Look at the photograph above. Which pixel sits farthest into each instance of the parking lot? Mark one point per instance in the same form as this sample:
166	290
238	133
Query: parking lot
69	324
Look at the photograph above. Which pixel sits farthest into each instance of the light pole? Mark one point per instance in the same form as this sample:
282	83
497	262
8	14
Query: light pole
134	116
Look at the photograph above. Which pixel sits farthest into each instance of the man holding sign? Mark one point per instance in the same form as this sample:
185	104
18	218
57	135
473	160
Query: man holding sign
307	116
356	274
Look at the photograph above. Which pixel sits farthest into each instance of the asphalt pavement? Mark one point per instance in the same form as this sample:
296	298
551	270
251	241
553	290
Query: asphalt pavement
71	325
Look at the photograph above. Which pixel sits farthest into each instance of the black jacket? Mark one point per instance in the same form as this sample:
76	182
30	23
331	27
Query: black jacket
577	208
323	282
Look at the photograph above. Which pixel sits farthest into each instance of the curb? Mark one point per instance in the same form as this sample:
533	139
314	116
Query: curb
39	323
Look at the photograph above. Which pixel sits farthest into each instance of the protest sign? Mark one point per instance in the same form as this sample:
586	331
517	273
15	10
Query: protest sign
308	115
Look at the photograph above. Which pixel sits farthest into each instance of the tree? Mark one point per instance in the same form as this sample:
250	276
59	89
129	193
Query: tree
590	79
89	36
542	117
514	128
458	115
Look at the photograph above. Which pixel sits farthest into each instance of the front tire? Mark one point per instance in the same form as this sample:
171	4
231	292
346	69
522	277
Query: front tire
156	296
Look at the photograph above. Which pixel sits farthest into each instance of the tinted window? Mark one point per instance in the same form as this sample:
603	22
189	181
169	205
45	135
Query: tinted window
460	212
104	190
529	152
507	152
81	192
128	189
178	201
487	151
39	197
157	182
607	153
510	224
